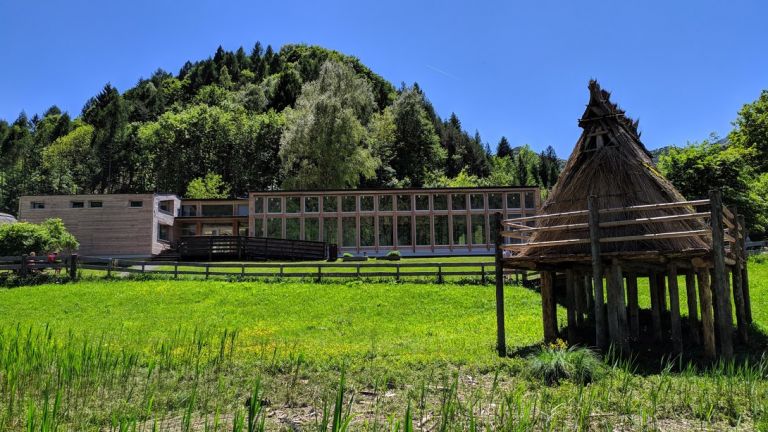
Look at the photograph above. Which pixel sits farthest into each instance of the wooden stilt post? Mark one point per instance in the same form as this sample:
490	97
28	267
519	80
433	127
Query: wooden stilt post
744	273
617	312
590	296
570	292
738	286
674	310
693	310
548	307
653	284
661	283
501	341
723	312
633	307
597	273
581	298
707	315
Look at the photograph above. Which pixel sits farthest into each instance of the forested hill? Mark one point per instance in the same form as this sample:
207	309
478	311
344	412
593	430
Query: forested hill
303	117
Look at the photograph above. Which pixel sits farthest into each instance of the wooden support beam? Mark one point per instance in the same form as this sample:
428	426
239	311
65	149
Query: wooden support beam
738	301
653	285
597	272
707	315
661	285
581	298
548	306
570	293
723	312
501	340
590	297
633	306
617	312
674	311
693	310
744	272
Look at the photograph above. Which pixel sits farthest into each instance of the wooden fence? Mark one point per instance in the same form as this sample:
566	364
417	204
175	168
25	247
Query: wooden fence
241	247
397	270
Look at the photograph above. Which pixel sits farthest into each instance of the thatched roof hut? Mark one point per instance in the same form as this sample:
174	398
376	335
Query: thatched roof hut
611	219
611	163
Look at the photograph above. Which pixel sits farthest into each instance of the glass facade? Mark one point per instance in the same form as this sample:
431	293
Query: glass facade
413	221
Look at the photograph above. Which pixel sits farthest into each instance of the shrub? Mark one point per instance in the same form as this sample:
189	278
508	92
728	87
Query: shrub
557	362
24	237
393	253
347	255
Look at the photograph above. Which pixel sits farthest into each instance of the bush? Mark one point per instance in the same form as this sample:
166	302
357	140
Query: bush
393	253
347	255
557	362
24	237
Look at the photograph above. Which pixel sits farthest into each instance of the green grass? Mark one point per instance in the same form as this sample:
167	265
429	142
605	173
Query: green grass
216	355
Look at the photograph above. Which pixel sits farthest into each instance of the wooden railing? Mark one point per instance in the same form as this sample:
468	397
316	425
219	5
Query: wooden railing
586	232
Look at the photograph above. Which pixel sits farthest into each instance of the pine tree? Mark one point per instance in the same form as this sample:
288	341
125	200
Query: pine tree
504	149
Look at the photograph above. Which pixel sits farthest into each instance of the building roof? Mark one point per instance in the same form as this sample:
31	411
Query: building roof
611	163
6	218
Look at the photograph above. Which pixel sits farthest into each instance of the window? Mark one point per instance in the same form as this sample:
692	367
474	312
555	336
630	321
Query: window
79	204
36	205
422	202
258	205
242	209
163	232
189	210
292	204
136	204
217	229
367	234
293	228
530	201
513	200
476	201
458	202
403	230
311	204
349	203
188	229
242	230
330	229
275	228
366	203
312	229
330	204
478	230
258	228
349	232
441	230
494	201
163	206
440	202
385	231
385	202
216	210
95	204
403	203
459	229
274	205
423	231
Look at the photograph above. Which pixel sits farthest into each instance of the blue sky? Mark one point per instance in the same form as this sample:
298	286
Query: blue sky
518	69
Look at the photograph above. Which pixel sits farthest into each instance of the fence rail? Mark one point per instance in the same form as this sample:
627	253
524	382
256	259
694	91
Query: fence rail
241	247
318	271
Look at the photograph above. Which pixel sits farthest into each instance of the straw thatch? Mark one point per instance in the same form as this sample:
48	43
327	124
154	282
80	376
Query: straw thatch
610	162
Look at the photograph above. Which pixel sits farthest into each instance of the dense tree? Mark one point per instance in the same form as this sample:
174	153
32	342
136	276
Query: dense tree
108	114
751	131
548	167
324	143
209	187
504	149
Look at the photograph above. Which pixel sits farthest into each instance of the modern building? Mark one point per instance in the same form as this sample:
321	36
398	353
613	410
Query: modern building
441	221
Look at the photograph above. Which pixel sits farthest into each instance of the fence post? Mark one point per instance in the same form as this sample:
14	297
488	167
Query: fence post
358	271
142	267
73	266
501	338
23	266
319	273
109	267
207	270
439	273
176	270
281	271
397	276
242	270
722	304
482	274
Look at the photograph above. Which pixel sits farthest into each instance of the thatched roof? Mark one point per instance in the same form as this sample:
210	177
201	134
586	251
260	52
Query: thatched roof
610	162
6	218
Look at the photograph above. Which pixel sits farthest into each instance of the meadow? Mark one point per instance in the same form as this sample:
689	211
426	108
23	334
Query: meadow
162	354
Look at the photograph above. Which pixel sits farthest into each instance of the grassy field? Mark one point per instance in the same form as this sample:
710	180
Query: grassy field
214	355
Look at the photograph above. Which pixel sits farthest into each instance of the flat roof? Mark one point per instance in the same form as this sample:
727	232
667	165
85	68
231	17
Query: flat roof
394	190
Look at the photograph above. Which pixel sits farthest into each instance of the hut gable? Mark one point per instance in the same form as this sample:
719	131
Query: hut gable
611	163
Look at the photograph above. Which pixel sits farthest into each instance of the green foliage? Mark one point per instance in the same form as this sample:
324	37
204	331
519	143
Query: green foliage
209	187
555	363
699	167
25	237
751	131
324	142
